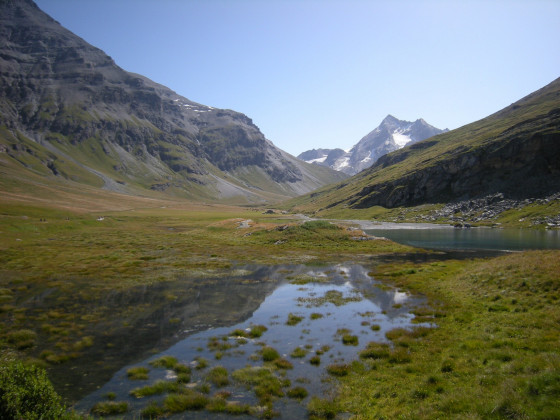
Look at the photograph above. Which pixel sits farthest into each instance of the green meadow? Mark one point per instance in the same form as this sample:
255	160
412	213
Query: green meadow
494	353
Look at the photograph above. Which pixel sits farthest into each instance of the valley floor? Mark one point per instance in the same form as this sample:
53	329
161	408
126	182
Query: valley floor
64	273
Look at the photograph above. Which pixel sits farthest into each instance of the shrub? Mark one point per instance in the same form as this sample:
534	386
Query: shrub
27	393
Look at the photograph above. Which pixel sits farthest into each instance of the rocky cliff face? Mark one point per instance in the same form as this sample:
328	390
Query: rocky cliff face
69	112
392	134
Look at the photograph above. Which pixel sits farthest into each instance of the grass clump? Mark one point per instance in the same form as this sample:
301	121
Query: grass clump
254	331
109	408
187	400
376	351
338	369
167	362
350	340
264	383
201	363
218	376
22	339
297	392
282	363
257	331
269	354
138	373
159	387
315	315
298	353
322	408
315	360
153	411
293	319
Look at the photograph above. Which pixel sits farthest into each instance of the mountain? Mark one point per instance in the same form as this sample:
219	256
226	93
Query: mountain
392	134
70	116
515	152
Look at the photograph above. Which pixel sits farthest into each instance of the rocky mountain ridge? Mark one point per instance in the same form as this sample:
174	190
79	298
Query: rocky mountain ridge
392	134
69	113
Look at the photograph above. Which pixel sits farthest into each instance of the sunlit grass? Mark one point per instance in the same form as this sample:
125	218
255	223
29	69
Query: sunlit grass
493	354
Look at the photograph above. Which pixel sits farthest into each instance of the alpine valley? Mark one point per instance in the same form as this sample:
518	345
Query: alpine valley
154	261
392	134
70	116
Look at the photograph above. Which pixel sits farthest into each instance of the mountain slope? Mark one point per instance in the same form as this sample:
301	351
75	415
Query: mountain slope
69	114
515	151
392	134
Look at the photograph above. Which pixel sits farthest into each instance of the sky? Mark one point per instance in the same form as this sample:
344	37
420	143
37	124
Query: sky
324	73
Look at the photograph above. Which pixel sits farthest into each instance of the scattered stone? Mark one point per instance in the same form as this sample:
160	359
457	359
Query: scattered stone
487	209
244	224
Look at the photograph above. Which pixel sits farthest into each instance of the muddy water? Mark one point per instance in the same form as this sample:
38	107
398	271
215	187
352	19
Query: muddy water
331	301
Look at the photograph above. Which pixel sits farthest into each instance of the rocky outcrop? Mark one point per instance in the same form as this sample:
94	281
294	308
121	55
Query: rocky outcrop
489	208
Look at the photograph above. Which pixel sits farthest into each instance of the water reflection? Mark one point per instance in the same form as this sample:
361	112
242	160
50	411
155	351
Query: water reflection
342	299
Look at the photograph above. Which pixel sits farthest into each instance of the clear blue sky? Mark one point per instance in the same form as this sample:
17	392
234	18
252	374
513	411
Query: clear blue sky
323	73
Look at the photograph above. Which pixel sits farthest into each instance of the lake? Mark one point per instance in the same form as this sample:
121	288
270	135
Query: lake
446	237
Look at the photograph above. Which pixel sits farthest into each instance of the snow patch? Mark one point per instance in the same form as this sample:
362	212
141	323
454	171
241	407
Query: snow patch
318	160
342	163
401	139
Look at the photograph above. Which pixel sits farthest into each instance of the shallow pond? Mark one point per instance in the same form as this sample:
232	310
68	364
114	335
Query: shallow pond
316	317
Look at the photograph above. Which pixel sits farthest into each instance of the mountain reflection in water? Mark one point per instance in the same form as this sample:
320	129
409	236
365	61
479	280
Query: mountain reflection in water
332	301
